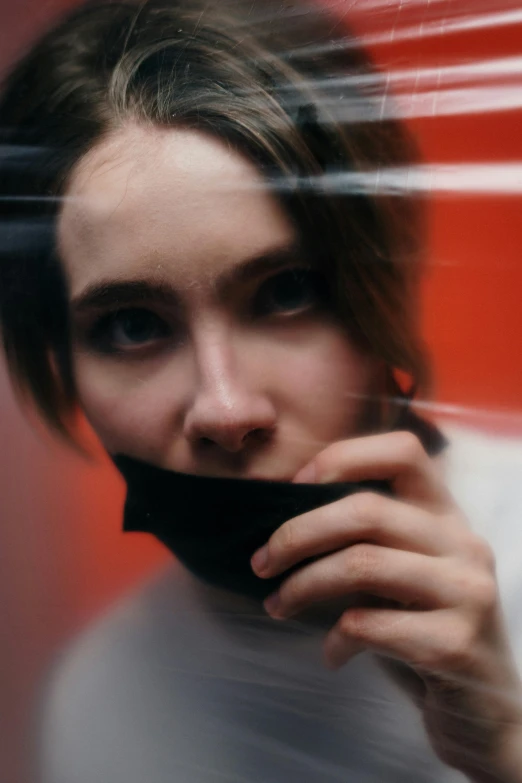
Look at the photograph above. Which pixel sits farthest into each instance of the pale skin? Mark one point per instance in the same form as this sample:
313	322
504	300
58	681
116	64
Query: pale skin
203	344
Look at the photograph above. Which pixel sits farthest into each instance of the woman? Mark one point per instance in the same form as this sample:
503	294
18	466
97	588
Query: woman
186	263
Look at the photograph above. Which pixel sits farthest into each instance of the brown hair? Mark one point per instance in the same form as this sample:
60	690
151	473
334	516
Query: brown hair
283	82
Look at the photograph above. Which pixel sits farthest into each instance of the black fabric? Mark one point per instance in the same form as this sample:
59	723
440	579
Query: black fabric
429	435
214	525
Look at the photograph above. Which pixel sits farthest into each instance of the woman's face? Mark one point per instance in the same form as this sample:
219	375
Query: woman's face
202	337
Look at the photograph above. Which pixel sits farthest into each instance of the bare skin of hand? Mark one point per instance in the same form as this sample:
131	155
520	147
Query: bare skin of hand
433	607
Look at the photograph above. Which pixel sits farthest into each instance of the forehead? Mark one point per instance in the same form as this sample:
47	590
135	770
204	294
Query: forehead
173	203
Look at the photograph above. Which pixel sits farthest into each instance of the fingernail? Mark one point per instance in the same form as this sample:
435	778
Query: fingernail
259	561
271	605
307	475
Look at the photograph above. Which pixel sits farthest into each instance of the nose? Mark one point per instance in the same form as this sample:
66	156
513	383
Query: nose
226	411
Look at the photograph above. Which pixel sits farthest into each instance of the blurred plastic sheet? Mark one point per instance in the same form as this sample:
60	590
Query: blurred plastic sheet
253	702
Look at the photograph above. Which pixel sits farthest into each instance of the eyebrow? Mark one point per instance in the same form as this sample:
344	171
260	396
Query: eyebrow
261	265
119	293
111	293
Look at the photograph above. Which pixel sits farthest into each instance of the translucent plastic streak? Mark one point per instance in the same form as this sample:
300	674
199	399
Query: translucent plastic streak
458	89
446	26
467	414
176	683
20	235
478	99
438	27
436	179
502	69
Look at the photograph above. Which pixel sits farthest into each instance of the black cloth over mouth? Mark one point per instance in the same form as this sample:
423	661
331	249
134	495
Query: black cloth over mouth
214	525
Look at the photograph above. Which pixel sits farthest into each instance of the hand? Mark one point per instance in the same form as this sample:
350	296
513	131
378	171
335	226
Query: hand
438	610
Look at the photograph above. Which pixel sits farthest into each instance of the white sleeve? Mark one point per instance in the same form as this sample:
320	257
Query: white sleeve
485	477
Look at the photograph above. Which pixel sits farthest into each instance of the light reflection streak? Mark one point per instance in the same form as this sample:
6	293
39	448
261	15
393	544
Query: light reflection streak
472	179
458	102
440	27
499	68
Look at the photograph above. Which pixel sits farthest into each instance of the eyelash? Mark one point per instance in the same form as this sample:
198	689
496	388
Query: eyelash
300	282
101	335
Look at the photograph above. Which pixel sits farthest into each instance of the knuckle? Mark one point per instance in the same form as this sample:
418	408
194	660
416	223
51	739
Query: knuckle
458	650
478	588
353	625
290	593
484	593
285	541
481	552
366	506
364	563
410	447
328	460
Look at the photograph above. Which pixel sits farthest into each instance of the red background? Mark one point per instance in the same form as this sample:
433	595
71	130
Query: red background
63	554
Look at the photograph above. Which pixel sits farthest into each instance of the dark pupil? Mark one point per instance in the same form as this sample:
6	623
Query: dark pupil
291	290
138	325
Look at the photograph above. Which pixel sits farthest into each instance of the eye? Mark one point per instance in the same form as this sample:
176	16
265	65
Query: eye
125	330
291	291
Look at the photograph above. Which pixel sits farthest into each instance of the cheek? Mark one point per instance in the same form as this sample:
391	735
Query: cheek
328	383
314	377
130	409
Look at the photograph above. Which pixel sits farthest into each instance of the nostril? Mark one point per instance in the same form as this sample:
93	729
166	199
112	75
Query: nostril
206	442
260	433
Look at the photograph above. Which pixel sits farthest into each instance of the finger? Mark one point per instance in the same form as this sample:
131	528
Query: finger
406	577
397	457
363	516
438	641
